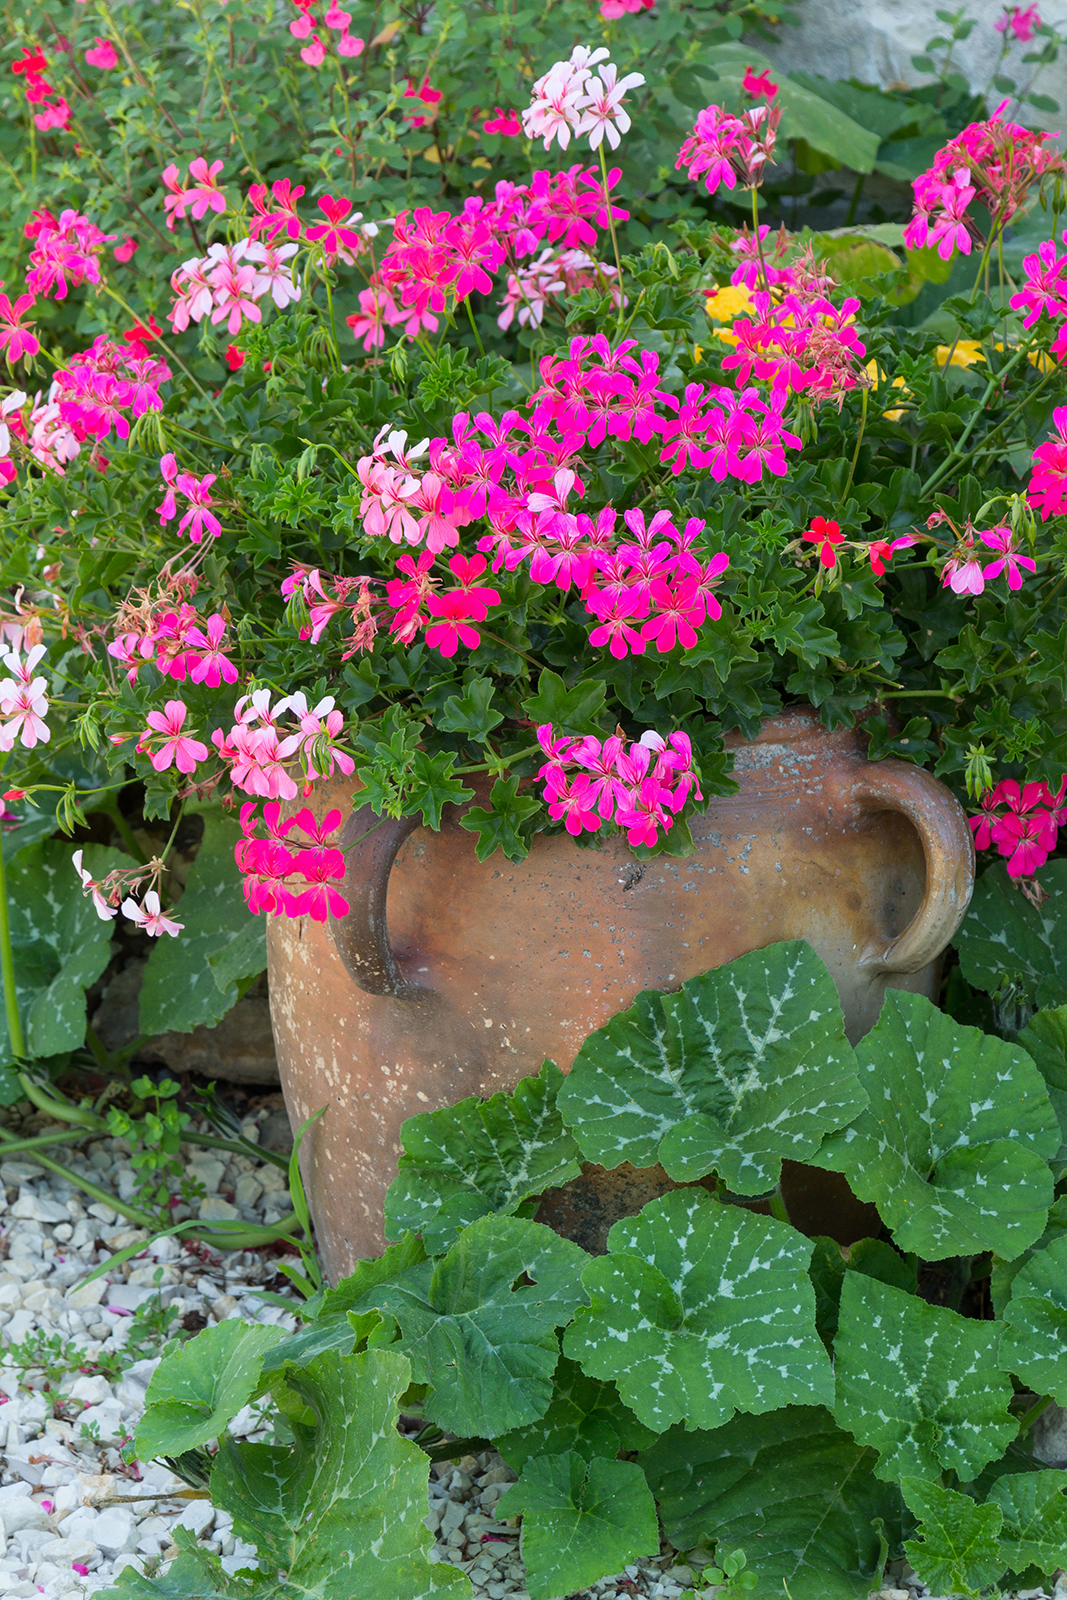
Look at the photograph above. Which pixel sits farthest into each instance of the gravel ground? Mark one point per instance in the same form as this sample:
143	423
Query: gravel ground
64	1531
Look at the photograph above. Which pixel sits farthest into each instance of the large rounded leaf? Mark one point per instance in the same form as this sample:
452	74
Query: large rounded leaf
699	1310
740	1068
1005	942
1035	1339
955	1144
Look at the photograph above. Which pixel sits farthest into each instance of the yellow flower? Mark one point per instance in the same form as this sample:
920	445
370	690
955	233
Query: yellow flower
875	371
728	302
964	353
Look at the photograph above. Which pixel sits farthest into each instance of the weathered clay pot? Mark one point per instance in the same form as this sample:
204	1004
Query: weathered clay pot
452	977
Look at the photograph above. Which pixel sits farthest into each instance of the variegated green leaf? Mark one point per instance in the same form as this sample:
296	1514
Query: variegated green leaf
790	1489
743	1066
955	1144
919	1383
1045	1039
479	1324
1034	1347
199	1386
959	1552
1034	1507
1005	942
584	1414
478	1157
699	1310
581	1520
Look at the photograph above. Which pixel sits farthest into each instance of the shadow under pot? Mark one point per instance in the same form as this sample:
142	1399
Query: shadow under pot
453	977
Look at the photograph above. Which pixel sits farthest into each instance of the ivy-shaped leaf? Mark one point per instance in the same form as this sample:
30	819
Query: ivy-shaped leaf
568	710
581	1520
584	1414
953	1149
790	1489
330	1328
472	712
1045	1039
1004	941
1034	1347
699	1310
1034	1506
479	1324
340	1511
198	1387
743	1066
501	827
919	1383
959	1552
478	1157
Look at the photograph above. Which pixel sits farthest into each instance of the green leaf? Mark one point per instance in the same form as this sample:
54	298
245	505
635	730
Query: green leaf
472	712
194	1574
571	711
919	1383
741	1067
243	956
488	1347
1005	1272
500	827
959	1552
330	1308
581	1520
180	990
198	1387
1034	1505
60	945
340	1512
584	1414
953	1149
1045	1040
791	1489
1007	943
478	1157
1035	1338
698	1310
431	786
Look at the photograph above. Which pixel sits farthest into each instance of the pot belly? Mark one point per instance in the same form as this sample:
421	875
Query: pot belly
522	961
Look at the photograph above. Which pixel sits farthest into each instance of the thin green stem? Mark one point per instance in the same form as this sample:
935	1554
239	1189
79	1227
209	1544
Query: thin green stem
474	326
1028	1418
958	452
611	225
856	452
7	972
209	1142
777	1205
42	1141
759	242
335	348
102	1196
172	354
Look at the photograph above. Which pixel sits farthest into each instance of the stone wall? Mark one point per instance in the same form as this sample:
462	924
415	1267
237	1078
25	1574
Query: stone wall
874	40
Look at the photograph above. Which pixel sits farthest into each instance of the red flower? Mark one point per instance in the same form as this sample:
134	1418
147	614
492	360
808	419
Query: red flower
826	534
235	359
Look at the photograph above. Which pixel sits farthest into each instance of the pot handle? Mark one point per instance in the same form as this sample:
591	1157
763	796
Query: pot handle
941	824
362	937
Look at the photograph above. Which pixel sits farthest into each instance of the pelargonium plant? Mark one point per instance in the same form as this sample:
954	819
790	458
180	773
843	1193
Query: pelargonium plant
487	510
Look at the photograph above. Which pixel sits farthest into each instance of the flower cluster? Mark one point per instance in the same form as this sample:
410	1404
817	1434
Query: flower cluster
313	53
23	701
1022	823
641	787
16	340
66	251
726	150
799	341
1047	489
177	646
55	111
1044	291
198	520
107	892
825	534
574	99
994	162
435	260
102	389
1022	25
964	573
269	864
229	283
257	748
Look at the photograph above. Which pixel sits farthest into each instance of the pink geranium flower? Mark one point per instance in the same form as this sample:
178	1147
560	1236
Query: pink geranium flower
177	747
16	340
150	917
102	55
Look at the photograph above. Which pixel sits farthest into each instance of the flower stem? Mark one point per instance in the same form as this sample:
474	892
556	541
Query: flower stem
759	242
474	325
7	973
856	452
611	225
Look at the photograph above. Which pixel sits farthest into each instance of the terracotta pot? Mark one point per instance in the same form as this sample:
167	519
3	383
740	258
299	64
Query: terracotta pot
452	977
